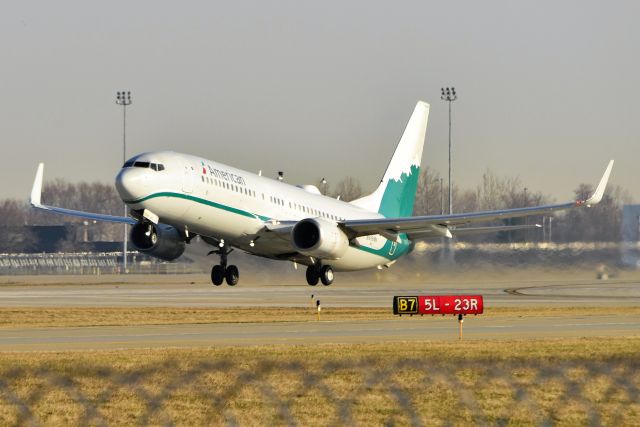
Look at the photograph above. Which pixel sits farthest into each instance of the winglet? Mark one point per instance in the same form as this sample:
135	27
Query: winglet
597	195
36	191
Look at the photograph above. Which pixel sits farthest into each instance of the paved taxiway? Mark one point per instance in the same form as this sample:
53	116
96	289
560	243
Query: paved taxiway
196	292
375	331
186	291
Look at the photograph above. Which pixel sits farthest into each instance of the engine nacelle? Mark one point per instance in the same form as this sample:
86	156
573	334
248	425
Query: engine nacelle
319	238
161	241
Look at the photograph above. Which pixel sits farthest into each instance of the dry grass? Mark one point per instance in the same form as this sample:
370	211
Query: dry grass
564	382
100	316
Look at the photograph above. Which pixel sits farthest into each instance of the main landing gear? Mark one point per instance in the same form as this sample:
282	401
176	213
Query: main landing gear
221	272
323	273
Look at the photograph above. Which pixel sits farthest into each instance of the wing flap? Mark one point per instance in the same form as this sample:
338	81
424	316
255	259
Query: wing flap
466	231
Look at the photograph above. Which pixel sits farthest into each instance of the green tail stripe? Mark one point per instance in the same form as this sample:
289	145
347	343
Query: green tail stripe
399	196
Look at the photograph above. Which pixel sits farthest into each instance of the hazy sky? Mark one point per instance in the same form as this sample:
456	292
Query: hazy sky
548	90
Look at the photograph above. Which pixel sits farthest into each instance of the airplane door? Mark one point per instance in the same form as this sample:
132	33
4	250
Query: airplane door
188	178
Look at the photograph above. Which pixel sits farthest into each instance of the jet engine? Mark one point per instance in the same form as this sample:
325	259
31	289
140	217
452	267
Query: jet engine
319	238
161	241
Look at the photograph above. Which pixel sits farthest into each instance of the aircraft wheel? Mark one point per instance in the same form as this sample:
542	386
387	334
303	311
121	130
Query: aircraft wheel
232	275
312	276
217	275
326	275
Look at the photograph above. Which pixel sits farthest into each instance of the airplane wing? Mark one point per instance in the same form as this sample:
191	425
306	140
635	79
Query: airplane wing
444	224
36	193
466	231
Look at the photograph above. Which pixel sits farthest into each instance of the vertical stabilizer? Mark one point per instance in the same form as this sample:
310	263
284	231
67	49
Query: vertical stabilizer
396	193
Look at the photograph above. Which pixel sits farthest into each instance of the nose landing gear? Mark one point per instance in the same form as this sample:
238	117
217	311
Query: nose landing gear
322	273
221	272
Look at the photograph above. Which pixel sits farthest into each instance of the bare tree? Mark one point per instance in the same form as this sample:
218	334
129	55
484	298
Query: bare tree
92	197
348	189
598	223
428	195
13	212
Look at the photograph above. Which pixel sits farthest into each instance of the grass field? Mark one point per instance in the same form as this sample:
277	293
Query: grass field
589	381
100	316
567	382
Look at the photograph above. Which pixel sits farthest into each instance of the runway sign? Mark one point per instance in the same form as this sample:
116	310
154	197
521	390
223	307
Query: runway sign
438	304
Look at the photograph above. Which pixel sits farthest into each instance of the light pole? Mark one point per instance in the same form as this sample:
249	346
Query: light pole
526	222
441	197
323	181
124	98
449	95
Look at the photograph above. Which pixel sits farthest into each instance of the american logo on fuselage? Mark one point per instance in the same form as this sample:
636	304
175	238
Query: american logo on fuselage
226	175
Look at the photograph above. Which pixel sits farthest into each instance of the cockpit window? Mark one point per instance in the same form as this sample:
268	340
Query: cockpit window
147	165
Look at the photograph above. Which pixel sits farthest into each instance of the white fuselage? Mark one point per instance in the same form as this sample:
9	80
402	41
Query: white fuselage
211	199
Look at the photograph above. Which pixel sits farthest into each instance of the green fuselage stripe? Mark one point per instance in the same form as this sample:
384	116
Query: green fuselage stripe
198	200
401	248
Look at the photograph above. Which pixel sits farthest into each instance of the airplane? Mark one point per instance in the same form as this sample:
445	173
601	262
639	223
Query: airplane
173	198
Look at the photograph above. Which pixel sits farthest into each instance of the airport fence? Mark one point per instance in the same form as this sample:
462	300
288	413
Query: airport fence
409	391
606	256
89	263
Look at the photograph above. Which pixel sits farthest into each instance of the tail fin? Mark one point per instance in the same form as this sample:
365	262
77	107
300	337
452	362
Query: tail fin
396	193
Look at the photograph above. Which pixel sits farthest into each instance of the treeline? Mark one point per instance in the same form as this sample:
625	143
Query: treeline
599	223
17	218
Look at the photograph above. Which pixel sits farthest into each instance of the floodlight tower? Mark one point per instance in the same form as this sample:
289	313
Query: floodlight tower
323	181
449	95
124	98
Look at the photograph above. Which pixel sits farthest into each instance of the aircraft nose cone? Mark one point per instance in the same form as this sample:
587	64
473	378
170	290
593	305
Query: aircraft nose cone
131	184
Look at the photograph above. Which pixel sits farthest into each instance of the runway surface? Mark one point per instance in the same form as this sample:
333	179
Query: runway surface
196	292
187	291
404	329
